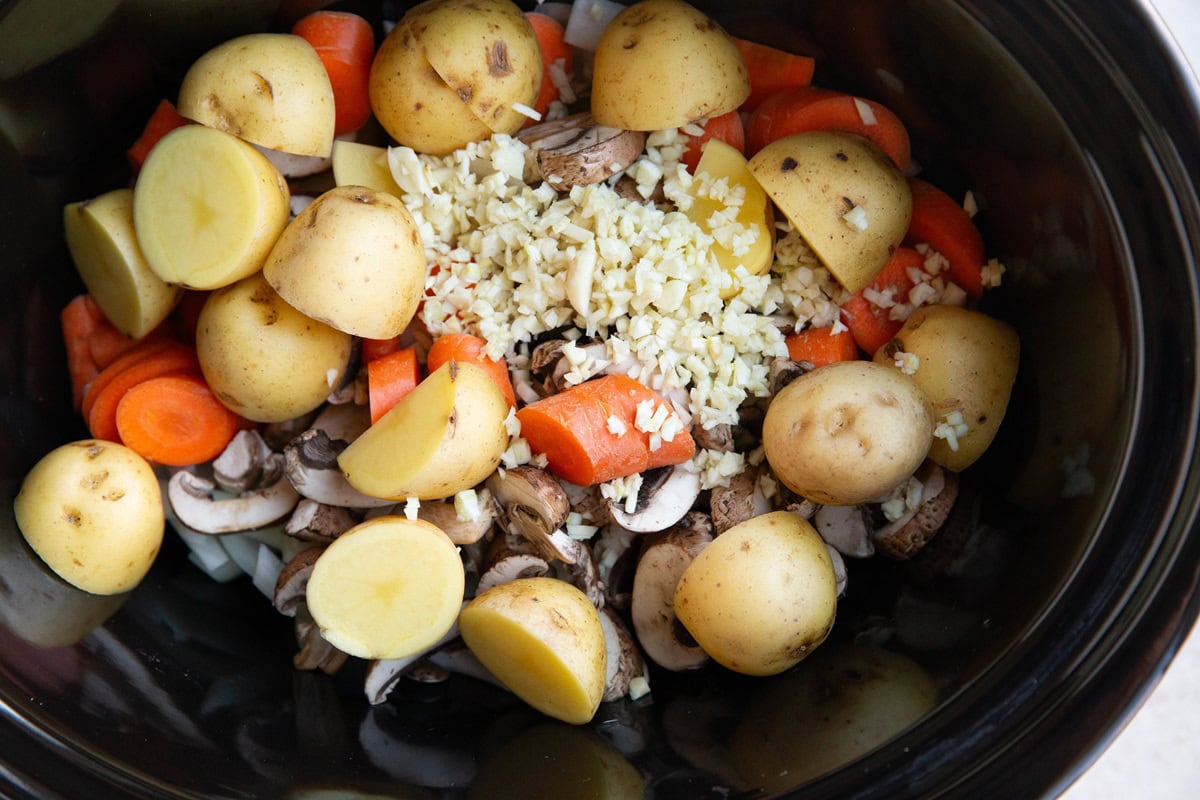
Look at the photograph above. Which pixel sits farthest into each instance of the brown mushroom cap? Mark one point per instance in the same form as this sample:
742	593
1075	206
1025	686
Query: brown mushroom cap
535	505
663	559
575	151
904	538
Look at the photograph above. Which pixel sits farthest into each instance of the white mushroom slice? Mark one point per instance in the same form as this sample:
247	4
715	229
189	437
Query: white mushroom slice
239	467
461	531
312	468
535	505
315	652
719	437
575	151
783	371
291	586
622	660
508	558
344	421
663	499
383	674
664	558
579	569
741	500
192	501
458	658
841	577
425	671
903	538
315	522
845	528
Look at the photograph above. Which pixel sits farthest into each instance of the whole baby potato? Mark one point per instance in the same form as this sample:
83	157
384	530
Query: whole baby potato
847	433
761	596
263	358
663	64
967	364
267	88
353	260
843	195
453	72
92	510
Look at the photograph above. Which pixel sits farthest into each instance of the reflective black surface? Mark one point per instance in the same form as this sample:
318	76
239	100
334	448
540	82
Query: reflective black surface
1073	123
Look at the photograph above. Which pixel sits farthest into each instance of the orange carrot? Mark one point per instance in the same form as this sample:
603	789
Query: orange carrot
821	346
772	70
79	319
726	127
465	347
871	326
378	348
389	378
589	432
346	45
175	420
549	33
164	120
138	352
809	108
943	224
102	413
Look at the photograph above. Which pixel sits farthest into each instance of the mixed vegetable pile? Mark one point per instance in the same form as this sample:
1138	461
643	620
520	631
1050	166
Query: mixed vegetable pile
537	346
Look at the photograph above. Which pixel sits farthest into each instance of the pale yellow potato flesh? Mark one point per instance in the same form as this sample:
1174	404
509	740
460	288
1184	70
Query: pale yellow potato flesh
357	164
443	437
389	587
263	358
761	596
662	64
266	88
207	208
721	162
540	637
104	247
353	260
93	512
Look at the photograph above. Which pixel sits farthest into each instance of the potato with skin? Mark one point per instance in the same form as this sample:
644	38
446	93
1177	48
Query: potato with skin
389	587
663	64
104	247
451	72
207	208
357	164
761	596
444	436
263	358
92	510
353	260
540	637
843	195
967	363
847	433
267	88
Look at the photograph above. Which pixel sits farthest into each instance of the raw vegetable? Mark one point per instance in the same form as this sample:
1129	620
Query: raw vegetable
946	227
345	44
726	128
175	419
821	346
590	433
389	378
91	341
811	109
465	348
93	512
772	70
140	351
164	120
872	325
554	51
105	398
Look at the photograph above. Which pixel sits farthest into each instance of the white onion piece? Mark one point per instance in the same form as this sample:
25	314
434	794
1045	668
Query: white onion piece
560	12
588	20
267	567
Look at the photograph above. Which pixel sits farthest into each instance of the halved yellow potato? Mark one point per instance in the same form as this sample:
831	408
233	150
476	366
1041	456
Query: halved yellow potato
104	247
444	436
540	637
207	208
356	164
387	588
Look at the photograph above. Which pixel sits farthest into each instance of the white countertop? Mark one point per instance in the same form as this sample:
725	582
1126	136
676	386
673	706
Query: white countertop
1157	755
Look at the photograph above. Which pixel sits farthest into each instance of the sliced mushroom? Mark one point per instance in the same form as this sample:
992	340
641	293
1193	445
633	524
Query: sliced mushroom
278	434
312	468
783	371
616	560
719	437
627	189
461	531
575	151
663	559
904	537
580	569
535	506
741	500
509	557
292	583
458	659
239	467
192	501
588	503
315	652
623	660
841	577
665	496
845	528
542	362
425	671
383	674
317	522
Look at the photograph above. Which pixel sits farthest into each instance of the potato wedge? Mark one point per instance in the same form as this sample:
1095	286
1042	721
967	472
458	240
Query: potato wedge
444	436
389	587
356	164
541	637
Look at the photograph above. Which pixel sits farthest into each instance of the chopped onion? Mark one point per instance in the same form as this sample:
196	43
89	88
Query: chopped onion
267	567
865	112
588	20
